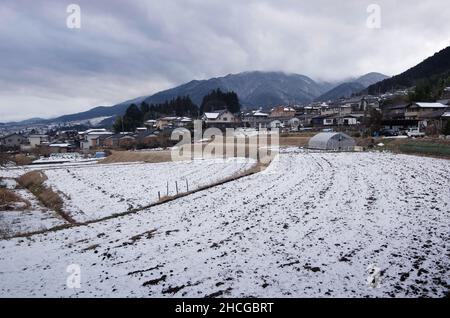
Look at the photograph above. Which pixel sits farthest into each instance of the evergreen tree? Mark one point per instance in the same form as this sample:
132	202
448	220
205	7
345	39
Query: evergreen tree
218	100
181	106
144	107
118	126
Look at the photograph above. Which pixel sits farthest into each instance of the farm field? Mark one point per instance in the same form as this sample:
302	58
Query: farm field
312	224
98	191
90	192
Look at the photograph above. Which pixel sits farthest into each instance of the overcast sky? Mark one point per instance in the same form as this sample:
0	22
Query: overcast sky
125	49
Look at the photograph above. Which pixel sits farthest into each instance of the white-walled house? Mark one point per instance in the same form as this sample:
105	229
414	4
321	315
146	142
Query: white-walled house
37	140
93	138
220	118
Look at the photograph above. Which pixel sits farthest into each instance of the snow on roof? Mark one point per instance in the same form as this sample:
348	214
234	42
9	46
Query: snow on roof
431	105
260	114
446	114
65	145
93	130
100	133
212	115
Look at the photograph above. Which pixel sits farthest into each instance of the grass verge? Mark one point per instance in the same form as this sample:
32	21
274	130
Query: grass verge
34	181
11	201
426	147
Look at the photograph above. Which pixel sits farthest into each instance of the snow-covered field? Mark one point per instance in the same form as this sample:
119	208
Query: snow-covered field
36	217
98	191
91	192
310	225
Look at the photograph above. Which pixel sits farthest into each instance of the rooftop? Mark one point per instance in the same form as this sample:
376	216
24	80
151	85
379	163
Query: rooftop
431	105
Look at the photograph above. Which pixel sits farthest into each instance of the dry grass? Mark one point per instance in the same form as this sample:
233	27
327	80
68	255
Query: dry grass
22	160
9	200
137	156
166	155
292	141
428	147
34	181
32	178
7	196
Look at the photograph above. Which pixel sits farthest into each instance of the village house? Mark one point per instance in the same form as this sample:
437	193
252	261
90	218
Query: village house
123	139
368	102
256	119
313	109
37	140
282	112
416	110
435	121
165	122
172	122
220	119
151	123
13	141
336	109
149	139
353	104
93	138
395	111
141	130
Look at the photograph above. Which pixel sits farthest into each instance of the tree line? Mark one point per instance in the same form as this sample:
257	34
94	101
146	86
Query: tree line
182	106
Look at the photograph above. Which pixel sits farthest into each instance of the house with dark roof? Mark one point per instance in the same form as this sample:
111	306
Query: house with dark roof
416	110
119	140
13	140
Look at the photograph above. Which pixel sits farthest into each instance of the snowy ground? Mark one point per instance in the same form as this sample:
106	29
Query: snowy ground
36	217
92	192
98	191
311	225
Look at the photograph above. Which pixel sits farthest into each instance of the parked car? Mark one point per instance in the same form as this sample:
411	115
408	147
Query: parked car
388	133
415	133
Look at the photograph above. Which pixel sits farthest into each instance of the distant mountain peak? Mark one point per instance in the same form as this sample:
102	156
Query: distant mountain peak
433	67
264	89
353	86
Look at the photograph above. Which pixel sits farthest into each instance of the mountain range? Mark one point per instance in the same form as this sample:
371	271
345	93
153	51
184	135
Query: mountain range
435	68
351	86
255	89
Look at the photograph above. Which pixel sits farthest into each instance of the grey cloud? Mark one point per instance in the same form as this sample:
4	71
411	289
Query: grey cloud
131	48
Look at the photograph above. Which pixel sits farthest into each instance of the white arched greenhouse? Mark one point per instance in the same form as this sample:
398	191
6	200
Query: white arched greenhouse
332	142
